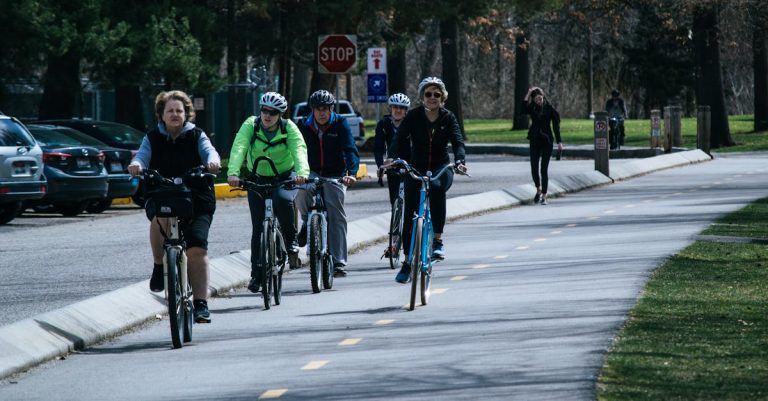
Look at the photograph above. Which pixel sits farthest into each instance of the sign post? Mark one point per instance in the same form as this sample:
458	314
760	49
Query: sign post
601	142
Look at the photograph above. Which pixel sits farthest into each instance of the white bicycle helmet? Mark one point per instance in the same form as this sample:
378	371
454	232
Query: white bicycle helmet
321	98
399	99
431	81
275	101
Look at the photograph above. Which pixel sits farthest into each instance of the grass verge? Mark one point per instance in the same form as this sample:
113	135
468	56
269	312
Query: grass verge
700	328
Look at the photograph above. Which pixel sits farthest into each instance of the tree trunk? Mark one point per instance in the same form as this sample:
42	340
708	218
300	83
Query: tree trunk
396	67
128	108
299	89
709	80
591	74
61	91
449	46
522	80
760	69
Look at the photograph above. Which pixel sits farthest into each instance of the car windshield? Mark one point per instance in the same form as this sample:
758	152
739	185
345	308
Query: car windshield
344	108
53	138
122	134
76	137
13	134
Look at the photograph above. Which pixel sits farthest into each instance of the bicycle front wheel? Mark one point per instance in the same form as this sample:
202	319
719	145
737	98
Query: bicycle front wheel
267	258
174	294
416	260
395	230
315	254
426	264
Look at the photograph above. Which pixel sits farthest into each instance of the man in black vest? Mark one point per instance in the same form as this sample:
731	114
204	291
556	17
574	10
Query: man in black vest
172	148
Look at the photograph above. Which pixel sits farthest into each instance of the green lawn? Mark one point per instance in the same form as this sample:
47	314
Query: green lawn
700	328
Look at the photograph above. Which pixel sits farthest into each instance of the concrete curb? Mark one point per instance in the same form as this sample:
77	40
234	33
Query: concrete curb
44	337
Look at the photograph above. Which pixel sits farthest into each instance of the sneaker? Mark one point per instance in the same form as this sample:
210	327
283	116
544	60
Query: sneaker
537	197
201	311
156	282
543	199
339	271
438	250
254	285
404	275
294	261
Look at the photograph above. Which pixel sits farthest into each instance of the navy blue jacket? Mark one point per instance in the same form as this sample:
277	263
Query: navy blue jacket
382	142
336	154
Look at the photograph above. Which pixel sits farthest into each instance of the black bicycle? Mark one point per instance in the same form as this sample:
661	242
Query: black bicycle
396	223
273	250
169	198
320	262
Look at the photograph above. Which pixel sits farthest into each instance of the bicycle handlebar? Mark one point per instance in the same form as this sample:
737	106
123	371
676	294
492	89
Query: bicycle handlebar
251	185
194	172
416	175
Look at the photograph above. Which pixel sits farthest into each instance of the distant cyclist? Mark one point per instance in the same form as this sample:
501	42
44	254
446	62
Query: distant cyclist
386	129
172	148
616	108
332	154
279	139
422	140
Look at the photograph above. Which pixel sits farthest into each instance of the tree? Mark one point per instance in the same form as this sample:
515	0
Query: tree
758	13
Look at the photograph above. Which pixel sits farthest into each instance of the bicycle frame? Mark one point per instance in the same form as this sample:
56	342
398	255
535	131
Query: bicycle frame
173	240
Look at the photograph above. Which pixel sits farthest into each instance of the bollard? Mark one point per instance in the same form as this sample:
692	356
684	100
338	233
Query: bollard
703	128
655	128
601	142
677	131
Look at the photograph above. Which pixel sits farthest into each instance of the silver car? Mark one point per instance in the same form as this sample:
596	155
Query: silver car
21	168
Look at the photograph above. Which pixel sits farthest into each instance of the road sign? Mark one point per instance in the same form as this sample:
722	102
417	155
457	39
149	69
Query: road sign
336	54
377	88
377	60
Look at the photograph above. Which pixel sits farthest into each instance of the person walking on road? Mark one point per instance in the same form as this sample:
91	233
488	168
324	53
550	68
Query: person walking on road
332	153
279	139
422	140
545	121
172	148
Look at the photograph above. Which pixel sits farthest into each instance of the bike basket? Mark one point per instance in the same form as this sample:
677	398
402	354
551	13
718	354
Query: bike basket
169	202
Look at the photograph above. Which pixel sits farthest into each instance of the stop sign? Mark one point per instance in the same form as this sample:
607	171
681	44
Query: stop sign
336	54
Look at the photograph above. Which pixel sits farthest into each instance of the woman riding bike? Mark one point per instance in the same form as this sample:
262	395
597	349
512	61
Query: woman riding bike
279	139
422	140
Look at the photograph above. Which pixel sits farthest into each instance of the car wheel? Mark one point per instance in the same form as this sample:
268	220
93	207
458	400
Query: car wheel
71	209
99	206
9	211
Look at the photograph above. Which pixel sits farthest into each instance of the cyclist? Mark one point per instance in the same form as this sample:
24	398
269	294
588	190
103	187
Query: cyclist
616	108
172	148
332	154
279	139
544	121
423	140
386	129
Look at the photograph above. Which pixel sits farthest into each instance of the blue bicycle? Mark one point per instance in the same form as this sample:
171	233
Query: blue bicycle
422	234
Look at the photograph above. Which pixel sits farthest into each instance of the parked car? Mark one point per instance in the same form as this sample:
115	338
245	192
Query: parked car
113	134
21	168
354	119
115	162
75	173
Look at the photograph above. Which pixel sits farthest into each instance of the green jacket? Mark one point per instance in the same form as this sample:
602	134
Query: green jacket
287	150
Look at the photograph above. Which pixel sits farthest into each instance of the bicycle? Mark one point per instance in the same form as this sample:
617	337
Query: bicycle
396	224
273	251
320	261
171	199
422	234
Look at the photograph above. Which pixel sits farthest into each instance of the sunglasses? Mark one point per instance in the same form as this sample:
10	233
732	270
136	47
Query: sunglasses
271	112
437	95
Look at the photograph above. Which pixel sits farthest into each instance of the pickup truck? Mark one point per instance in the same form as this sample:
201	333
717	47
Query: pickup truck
354	119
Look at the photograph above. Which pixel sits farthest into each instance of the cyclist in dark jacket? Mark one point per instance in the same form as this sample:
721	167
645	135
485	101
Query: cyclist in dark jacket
172	148
332	154
545	121
423	141
385	133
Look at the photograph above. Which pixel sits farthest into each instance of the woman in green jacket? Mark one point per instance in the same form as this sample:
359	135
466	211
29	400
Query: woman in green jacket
279	139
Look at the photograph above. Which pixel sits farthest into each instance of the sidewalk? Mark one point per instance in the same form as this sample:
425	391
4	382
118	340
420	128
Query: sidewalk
48	335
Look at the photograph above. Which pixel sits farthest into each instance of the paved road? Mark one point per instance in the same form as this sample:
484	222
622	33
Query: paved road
47	263
525	307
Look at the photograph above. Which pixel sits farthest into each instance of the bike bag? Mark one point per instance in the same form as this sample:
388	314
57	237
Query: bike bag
169	201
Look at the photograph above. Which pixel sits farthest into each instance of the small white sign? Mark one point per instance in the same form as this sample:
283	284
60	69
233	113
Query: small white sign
377	60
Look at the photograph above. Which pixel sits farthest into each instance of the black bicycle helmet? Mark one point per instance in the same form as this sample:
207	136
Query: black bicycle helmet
321	98
615	93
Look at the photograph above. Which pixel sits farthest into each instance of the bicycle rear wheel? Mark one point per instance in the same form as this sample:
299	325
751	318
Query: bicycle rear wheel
315	254
416	260
174	294
395	230
426	257
267	256
327	271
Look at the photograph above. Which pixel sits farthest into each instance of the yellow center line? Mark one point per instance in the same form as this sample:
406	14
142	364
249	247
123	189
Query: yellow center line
458	278
522	248
439	290
350	341
274	393
481	266
382	322
501	257
539	240
314	365
556	232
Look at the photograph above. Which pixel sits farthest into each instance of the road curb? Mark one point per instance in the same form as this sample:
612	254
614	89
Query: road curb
49	335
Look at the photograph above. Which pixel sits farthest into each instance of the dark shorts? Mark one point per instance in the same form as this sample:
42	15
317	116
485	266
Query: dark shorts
196	230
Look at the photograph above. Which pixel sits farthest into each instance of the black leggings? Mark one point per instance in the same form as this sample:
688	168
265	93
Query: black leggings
437	190
541	149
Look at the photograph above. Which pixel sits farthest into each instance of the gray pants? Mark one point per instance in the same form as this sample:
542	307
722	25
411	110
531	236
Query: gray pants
337	218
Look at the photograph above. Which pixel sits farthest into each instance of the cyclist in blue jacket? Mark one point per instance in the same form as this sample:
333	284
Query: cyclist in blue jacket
332	154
